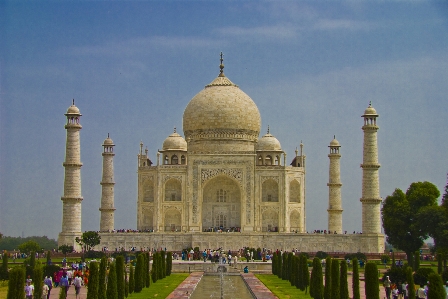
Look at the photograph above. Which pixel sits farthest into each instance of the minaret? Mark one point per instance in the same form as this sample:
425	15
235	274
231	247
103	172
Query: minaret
371	200
71	201
107	187
334	189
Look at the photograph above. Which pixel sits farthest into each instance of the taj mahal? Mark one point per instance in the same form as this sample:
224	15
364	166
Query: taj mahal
223	178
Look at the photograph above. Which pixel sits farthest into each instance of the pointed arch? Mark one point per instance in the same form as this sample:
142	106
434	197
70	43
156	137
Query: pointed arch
294	191
269	221
294	221
269	191
173	190
148	191
172	220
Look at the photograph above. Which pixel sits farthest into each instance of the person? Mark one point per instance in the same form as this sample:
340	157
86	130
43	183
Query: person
421	293
64	283
45	291
404	288
387	285
246	269
29	290
48	282
395	292
77	282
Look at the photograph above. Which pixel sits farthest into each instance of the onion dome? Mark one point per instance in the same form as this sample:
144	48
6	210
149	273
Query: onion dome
175	142
108	141
221	111
268	143
73	109
334	142
370	111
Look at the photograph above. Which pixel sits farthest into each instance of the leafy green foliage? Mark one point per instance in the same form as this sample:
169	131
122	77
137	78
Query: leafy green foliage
16	283
321	255
4	268
335	279
359	256
436	289
316	285
112	292
131	279
102	278
139	274
12	243
154	271
120	269
327	289
92	291
372	287
422	274
38	279
400	215
169	263
29	246
411	284
343	285
66	249
355	279
89	240
396	275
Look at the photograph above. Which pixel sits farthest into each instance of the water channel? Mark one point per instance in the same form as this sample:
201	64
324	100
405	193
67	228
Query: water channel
223	286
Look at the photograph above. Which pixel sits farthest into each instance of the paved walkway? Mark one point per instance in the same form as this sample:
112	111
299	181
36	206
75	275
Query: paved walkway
54	294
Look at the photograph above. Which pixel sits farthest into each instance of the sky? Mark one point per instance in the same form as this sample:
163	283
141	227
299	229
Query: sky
311	67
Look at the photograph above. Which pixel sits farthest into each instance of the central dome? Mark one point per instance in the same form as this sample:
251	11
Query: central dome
221	111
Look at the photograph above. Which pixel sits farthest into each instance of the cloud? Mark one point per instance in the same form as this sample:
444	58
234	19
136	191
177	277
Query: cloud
275	32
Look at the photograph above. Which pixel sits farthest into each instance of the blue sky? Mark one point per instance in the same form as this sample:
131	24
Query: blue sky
132	67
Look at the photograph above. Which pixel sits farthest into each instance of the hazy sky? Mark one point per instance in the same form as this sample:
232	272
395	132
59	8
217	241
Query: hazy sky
311	67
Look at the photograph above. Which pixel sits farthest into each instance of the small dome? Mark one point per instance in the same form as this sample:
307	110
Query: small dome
73	109
268	143
175	142
370	110
108	141
334	142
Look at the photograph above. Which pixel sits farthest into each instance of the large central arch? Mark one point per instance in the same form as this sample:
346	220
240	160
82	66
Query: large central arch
221	204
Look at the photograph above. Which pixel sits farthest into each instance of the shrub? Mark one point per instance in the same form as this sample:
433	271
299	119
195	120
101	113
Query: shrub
169	263
62	294
112	292
372	287
120	269
154	270
421	275
411	284
306	273
4	269
316	286
50	269
355	281
131	279
138	275
147	273
327	289
385	259
163	264
343	285
16	283
92	291
91	254
38	280
321	255
102	279
335	279
436	289
396	275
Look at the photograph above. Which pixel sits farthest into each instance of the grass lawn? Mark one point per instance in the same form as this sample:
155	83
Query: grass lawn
162	288
3	289
281	288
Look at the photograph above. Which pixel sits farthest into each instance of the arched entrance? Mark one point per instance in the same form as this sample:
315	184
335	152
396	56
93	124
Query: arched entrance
221	205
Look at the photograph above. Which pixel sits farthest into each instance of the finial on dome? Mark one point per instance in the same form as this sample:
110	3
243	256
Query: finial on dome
268	129
221	66
334	136
370	103
174	129
73	102
107	135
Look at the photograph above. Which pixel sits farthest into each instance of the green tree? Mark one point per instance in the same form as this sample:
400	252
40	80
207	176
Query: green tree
16	283
112	292
400	215
306	272
372	286
169	263
138	277
411	284
316	285
4	269
163	266
48	256
131	279
102	278
126	284
436	290
92	291
62	293
154	270
355	279
335	279
89	240
144	270
38	280
274	263
147	272
343	285
285	265
119	266
416	260
421	276
29	246
66	249
327	289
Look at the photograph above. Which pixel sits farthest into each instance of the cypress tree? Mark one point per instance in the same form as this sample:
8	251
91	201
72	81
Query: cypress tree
274	263
163	264
62	293
296	266
169	263
416	260
102	278
372	286
436	290
316	286
292	276
335	286
312	278
16	283
147	274
131	279
290	257
355	281
343	285
138	275
154	267
411	285
126	284
119	267
160	265
112	292
300	284
306	273
38	280
284	264
4	269
92	290
32	264
144	268
279	265
48	257
327	289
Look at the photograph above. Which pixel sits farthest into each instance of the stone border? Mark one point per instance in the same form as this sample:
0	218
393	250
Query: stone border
256	287
186	288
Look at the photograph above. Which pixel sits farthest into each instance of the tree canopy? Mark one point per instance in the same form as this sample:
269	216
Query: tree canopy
29	246
401	215
88	240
